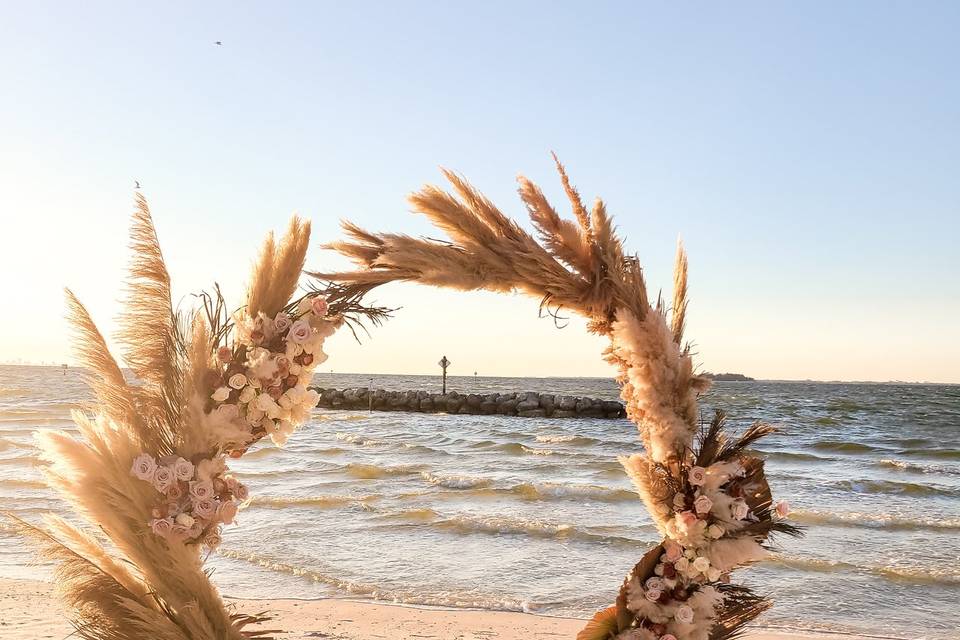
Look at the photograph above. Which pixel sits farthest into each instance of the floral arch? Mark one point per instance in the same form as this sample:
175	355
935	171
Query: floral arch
706	493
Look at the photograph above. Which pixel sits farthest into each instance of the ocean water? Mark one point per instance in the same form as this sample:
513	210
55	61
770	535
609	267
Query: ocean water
536	514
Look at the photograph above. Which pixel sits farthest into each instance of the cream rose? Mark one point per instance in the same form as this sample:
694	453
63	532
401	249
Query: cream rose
684	614
652	594
697	476
715	531
248	394
221	394
713	574
143	467
681	564
185	520
237	381
701	564
703	504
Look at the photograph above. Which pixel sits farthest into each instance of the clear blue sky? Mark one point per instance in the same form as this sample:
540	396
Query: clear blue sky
806	152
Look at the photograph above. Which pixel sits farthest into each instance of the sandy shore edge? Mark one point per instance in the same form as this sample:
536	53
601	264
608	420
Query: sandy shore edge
28	610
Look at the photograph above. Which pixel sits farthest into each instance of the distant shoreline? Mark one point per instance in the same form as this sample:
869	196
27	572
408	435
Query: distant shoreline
59	367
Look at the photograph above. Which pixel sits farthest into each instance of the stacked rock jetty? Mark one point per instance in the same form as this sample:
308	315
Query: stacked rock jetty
528	404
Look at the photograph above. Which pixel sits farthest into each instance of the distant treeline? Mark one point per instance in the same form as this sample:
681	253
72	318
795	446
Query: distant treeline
728	377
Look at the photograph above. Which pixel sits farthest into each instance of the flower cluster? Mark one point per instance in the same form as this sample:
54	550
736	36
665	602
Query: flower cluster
195	499
261	382
705	521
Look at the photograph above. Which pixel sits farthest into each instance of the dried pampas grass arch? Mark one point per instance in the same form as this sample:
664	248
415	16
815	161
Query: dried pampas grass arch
148	470
706	492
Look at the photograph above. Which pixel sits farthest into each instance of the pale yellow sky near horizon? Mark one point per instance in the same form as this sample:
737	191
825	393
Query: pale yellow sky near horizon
488	333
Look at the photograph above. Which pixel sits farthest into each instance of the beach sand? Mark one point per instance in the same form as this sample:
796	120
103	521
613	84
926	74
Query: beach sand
28	610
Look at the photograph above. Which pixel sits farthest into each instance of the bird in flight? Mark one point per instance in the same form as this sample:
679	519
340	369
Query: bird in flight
218	43
136	182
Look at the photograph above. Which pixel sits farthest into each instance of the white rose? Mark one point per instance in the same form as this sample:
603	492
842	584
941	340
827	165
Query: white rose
701	564
237	381
658	570
248	394
185	520
221	394
697	476
143	467
682	564
300	332
684	614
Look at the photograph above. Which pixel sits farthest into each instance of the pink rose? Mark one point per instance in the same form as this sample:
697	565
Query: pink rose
654	583
697	476
224	355
319	306
783	508
673	550
201	490
282	322
206	509
687	519
241	492
161	527
653	594
300	332
163	478
227	511
175	492
143	467
703	504
183	469
213	539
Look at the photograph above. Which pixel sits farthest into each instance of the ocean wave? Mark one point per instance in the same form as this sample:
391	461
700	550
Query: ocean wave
531	528
26	484
792	455
455	481
413	596
917	575
875	521
843	447
568	439
373	471
903	465
359	440
323	502
940	454
893	487
554	491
